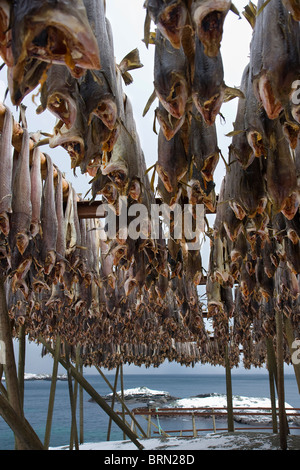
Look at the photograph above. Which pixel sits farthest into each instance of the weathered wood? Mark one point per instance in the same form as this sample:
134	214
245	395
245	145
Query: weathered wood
10	368
73	433
113	402
230	422
52	394
21	363
122	402
21	428
271	365
95	395
280	377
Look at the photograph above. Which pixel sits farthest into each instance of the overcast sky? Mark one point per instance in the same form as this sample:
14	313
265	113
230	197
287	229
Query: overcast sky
127	20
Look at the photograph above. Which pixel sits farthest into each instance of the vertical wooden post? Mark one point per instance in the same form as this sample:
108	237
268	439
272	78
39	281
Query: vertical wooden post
214	419
290	339
81	416
122	395
113	402
52	393
21	363
280	378
194	425
73	433
149	425
10	368
230	423
271	364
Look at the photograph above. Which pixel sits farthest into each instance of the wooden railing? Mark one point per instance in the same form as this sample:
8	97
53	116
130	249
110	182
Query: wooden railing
152	415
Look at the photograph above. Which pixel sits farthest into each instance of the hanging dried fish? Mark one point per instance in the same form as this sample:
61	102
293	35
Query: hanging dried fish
49	221
36	192
171	81
6	158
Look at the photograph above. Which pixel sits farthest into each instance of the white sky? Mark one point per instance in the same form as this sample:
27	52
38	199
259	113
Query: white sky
127	20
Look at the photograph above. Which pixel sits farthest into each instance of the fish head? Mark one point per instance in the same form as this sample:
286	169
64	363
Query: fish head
209	167
266	95
210	108
49	262
4	224
208	17
22	241
107	111
168	180
135	189
71	142
255	140
63	107
171	22
174	97
290	205
168	123
65	37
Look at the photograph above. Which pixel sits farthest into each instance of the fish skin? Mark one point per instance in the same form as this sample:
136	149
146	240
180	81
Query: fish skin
208	17
172	163
171	81
55	32
293	7
99	93
168	123
281	176
59	208
6	158
208	88
21	198
274	63
49	220
36	192
203	147
170	18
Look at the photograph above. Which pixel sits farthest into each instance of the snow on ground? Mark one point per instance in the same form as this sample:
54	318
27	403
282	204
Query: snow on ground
212	441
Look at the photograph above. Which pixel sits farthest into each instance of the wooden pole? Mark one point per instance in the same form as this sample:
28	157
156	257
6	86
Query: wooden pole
122	395
290	339
52	394
73	433
21	363
21	428
230	422
81	410
10	368
96	397
280	377
113	402
122	402
271	363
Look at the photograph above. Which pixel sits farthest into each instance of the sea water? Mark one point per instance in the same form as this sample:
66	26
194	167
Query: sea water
96	420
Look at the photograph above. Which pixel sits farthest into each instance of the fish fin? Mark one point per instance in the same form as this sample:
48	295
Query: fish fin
127	78
41	142
262	7
231	93
149	102
233	133
154	121
22	116
234	10
250	13
131	61
147	24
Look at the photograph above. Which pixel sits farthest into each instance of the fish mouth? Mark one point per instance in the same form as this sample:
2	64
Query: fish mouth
169	125
291	132
22	242
73	144
135	189
209	109
171	21
65	40
290	206
238	210
64	108
209	18
49	262
209	167
165	178
272	106
117	171
107	111
110	193
175	102
255	140
4	224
